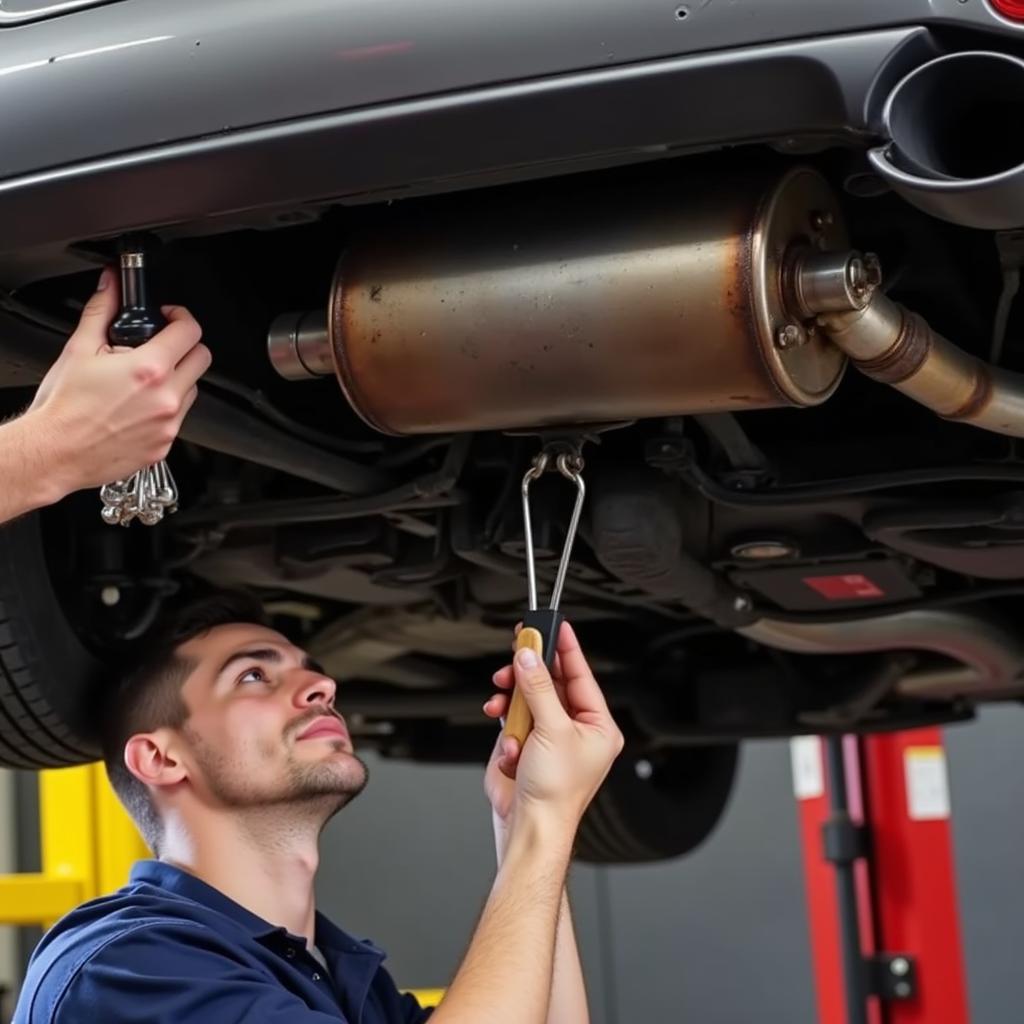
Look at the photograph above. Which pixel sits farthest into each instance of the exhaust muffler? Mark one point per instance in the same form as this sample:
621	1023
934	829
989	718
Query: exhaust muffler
595	311
735	300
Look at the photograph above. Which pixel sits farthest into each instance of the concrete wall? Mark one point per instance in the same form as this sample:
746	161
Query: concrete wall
986	766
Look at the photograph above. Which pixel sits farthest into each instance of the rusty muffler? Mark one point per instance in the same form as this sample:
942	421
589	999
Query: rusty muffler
598	310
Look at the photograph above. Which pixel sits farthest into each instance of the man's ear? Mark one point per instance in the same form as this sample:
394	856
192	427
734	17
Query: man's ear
154	760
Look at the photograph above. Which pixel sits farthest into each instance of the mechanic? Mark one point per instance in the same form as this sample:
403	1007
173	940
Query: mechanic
224	745
99	414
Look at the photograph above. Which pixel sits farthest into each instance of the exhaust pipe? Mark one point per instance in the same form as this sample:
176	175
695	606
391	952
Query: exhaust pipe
991	657
637	536
955	148
894	346
595	311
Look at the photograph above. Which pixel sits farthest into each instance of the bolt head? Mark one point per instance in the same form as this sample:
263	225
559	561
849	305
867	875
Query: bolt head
110	596
644	769
741	603
822	219
790	336
899	966
872	270
855	273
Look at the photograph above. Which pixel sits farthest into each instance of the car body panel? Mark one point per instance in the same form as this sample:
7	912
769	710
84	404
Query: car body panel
818	91
132	75
20	12
148	96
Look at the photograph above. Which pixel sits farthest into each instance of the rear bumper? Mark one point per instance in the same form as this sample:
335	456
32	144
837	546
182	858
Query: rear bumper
800	95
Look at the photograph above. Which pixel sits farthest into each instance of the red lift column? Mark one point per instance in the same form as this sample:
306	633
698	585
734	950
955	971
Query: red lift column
904	881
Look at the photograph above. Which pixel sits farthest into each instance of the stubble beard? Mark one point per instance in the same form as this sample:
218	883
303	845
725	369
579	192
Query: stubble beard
313	790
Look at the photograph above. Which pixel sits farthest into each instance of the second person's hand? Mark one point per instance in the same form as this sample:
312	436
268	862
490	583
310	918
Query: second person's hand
101	414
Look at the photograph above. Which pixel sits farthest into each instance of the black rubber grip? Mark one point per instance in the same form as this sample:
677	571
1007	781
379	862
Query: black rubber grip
547	622
138	321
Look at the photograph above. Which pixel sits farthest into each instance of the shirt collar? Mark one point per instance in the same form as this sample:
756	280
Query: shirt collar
181	883
329	937
353	963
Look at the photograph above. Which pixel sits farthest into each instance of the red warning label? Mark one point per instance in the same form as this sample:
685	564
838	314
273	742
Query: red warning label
853	586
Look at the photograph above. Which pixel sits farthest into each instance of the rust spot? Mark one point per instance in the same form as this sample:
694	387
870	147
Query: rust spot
981	395
375	291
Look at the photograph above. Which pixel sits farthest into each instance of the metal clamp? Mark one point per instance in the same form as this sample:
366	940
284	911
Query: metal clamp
569	463
892	977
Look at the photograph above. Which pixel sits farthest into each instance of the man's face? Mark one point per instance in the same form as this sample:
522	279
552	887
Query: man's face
262	730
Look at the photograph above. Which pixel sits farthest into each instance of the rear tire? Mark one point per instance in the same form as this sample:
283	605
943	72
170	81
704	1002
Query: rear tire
48	680
657	803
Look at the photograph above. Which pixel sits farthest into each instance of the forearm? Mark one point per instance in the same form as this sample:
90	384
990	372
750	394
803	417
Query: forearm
568	1002
505	977
27	482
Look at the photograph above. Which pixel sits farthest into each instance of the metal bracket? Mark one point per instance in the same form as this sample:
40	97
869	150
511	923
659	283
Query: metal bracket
844	841
892	977
673	455
669	453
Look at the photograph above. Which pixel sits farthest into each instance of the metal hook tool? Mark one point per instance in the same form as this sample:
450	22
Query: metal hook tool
541	626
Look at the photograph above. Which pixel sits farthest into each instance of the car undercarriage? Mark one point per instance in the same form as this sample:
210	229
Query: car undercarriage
805	506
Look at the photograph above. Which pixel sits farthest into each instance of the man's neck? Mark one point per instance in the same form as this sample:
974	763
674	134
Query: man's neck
257	859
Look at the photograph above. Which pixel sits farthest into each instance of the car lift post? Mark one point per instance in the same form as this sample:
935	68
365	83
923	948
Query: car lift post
880	879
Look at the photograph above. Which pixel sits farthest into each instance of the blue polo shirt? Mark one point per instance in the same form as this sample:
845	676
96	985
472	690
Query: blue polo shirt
169	949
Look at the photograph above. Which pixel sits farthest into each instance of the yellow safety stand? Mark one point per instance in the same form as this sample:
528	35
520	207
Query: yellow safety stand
428	996
87	843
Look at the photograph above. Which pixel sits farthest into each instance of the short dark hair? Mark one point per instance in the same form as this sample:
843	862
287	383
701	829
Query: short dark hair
148	695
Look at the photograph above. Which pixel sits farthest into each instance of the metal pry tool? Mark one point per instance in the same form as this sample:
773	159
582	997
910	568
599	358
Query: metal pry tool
541	625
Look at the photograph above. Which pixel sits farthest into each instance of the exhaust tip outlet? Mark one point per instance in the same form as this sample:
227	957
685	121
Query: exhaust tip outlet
955	149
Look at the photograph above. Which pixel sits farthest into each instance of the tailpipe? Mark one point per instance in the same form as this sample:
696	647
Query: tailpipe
600	309
955	148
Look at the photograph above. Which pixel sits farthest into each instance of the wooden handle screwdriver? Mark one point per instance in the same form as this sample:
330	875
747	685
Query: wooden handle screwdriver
540	634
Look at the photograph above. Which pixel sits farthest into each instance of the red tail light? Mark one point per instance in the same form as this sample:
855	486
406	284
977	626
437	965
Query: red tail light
1010	8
